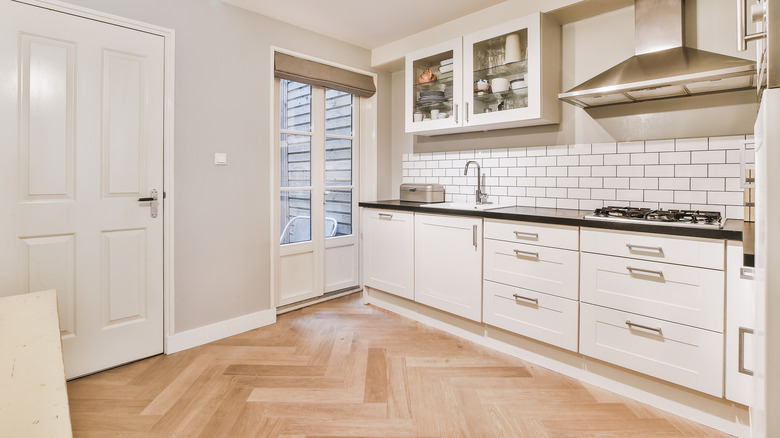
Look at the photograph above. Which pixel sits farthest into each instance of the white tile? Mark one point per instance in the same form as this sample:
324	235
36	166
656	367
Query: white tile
659	196
629	195
466	190
580	171
460	180
517	191
419	180
517	171
580	149
439	156
617	159
591	160
630	147
545	182
405	172
545	161
452	155
499	153
507	181
432	180
674	183
407	180
644	159
445	181
733	156
439	172
675	158
537	192
466	155
604	148
499	171
689	197
659	146
414	157
644	183
536	171
557	171
490	162
710	184
724	170
590	204
447	197
560	149
526	182
631	171
426	156
616	183
507	200
407	165
731	142
536	151
595	183
490	181
605	194
419	164
405	157
733	185
578	193
426	172
432	164
666	170
568	182
556	192
568	160
526	202
526	161
500	191
690	170
454	172
445	164
459	164
639	204
516	152
567	203
725	198
482	153
690	144
414	172
460	198
507	162
708	157
733	212
673	206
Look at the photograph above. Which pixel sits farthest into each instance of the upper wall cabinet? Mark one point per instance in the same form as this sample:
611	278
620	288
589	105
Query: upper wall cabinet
504	76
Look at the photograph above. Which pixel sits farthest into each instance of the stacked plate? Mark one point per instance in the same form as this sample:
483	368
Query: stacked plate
448	92
431	96
445	66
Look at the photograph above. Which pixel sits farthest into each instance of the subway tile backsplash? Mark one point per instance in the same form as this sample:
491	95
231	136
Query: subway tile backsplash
691	173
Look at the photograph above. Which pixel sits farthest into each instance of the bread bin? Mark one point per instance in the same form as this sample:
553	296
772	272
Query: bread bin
427	193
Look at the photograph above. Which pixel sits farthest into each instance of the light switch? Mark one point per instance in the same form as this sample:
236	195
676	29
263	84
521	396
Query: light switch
220	159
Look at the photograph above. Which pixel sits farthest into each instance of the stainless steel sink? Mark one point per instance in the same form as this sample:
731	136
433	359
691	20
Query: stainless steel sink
467	206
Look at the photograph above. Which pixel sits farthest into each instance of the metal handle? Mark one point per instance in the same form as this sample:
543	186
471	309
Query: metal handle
520	297
152	197
744	181
632	247
747	273
741	368
646	271
522	234
385	216
456	113
757	12
527	253
632	325
474	232
152	202
466	113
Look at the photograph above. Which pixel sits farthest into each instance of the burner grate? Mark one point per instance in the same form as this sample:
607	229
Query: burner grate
666	216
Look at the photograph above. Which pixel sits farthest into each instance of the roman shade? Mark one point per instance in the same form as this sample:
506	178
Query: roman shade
314	73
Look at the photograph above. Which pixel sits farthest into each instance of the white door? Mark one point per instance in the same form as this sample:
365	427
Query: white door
317	156
81	107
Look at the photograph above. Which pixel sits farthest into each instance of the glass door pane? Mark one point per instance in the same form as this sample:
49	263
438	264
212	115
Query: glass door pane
295	220
500	68
433	87
295	167
339	162
338	213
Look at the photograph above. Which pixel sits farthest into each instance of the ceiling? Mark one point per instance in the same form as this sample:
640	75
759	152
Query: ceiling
365	23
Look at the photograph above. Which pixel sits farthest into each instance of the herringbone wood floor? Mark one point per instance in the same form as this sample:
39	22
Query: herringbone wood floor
344	369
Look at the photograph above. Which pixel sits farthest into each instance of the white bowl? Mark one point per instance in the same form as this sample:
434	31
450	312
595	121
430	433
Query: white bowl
499	84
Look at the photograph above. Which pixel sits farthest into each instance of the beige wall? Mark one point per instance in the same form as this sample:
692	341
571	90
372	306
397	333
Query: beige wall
222	105
590	46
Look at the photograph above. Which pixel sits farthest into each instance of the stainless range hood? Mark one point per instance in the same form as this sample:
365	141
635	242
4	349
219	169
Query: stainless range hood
662	67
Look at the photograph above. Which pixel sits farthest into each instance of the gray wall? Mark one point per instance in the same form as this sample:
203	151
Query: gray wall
222	105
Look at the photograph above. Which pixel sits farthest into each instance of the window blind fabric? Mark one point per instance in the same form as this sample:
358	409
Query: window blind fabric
314	73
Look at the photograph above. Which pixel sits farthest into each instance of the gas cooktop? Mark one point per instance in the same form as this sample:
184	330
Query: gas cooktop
685	218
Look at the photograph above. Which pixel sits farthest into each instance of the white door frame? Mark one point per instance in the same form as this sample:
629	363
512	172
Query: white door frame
367	156
168	119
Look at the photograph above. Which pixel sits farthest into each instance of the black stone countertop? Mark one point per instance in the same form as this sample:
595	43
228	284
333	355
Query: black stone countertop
732	229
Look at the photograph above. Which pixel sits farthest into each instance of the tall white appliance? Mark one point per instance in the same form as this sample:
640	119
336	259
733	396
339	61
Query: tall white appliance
765	411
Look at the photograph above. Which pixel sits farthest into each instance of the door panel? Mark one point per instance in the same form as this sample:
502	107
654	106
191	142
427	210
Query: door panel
81	112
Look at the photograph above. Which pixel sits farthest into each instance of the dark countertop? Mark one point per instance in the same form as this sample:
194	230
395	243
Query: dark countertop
732	229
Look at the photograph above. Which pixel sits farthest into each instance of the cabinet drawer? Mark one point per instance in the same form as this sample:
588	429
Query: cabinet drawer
682	294
548	270
684	355
557	236
547	318
691	251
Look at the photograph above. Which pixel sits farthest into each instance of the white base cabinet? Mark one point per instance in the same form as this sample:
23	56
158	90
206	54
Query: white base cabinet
740	322
448	264
388	251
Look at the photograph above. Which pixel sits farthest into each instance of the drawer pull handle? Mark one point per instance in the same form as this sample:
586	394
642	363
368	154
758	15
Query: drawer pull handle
742	369
520	297
660	274
521	235
385	216
643	248
527	253
632	325
747	273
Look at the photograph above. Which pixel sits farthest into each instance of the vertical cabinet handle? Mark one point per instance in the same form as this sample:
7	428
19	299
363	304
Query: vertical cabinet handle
474	235
466	113
742	369
456	113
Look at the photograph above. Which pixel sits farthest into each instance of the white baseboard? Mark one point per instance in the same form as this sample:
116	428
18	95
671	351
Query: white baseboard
719	414
219	330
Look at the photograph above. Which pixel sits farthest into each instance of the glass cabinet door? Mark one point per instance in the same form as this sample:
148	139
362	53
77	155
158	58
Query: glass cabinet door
434	87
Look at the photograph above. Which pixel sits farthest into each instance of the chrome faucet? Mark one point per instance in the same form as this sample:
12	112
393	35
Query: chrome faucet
481	196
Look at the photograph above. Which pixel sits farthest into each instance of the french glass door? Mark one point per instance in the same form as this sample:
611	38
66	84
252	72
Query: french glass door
317	170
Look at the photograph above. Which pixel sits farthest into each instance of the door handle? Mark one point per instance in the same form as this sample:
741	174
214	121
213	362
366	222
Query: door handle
742	369
474	236
152	200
